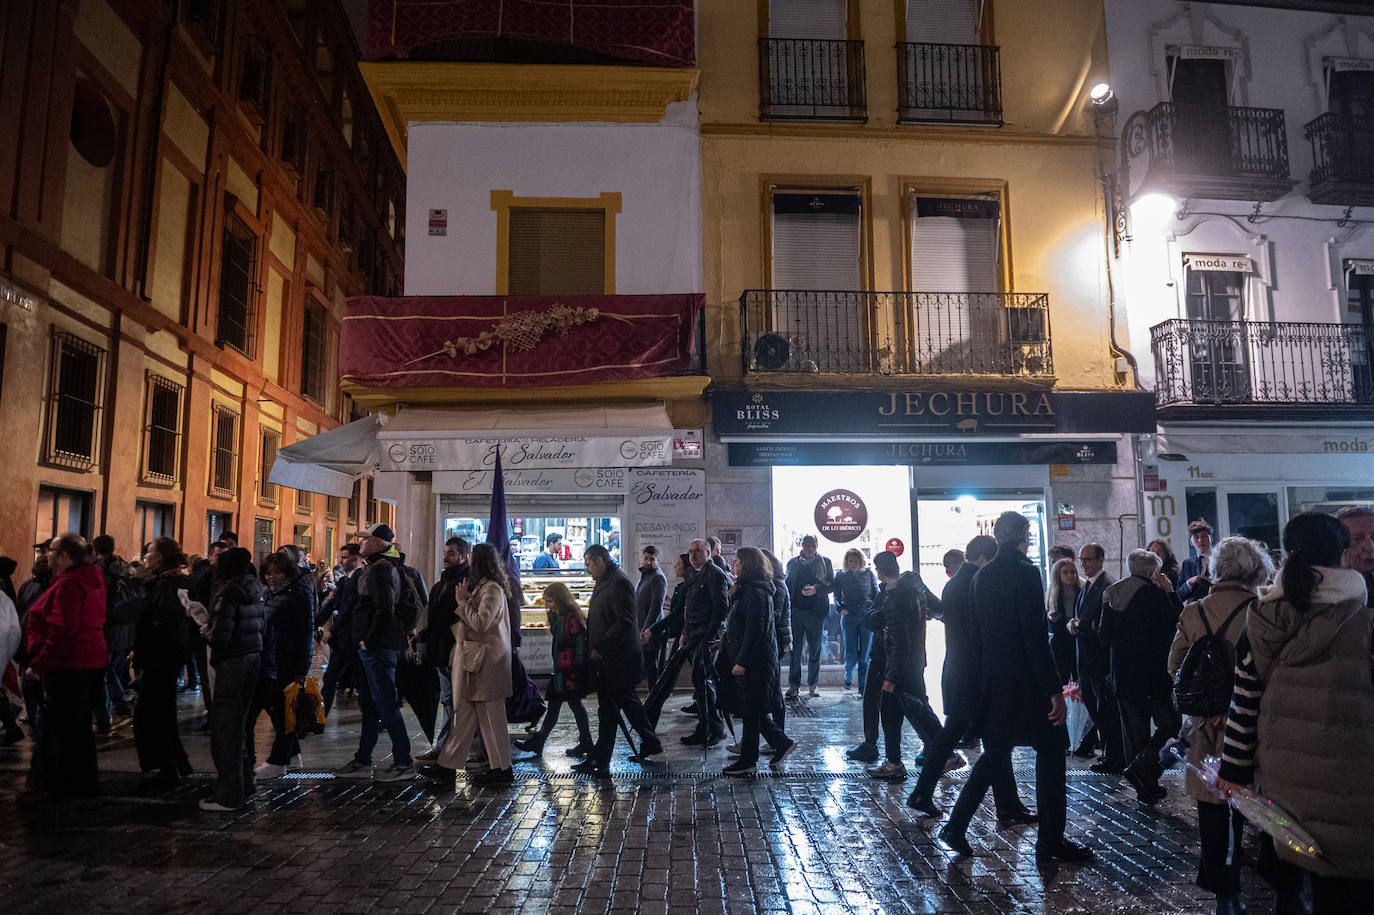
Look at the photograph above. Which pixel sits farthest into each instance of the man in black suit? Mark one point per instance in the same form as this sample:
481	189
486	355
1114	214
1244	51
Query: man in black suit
1022	701
1094	664
614	642
1193	580
703	613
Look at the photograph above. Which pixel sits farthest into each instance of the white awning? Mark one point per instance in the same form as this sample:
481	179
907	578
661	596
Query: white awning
430	440
331	462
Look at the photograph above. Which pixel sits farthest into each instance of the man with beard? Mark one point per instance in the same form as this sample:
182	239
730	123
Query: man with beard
649	594
809	579
438	634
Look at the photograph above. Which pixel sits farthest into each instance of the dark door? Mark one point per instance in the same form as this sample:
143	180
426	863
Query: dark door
1218	349
1202	140
1360	297
1351	102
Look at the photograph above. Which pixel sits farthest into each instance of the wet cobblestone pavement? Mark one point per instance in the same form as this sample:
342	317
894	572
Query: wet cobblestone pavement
669	837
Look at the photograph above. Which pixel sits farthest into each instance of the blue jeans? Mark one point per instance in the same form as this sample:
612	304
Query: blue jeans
379	665
445	675
857	637
114	700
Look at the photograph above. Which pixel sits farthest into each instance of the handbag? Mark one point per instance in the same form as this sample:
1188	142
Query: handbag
471	655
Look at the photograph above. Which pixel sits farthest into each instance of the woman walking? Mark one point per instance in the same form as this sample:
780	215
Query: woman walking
1239	567
1059	605
568	626
1302	717
160	652
481	672
234	636
855	587
757	675
67	654
288	647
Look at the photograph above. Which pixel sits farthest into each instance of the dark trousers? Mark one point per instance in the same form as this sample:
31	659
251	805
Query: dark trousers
231	736
201	653
1102	708
579	713
757	721
872	708
611	702
155	723
338	672
894	708
66	744
113	699
1330	895
806	630
1220	829
1139	745
1003	780
709	720
1051	796
268	697
8	717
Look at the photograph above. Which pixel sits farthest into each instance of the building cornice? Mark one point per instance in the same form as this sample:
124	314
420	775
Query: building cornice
915	134
407	92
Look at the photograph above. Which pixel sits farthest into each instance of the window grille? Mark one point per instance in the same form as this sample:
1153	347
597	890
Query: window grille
267	491
293	139
314	351
238	288
225	459
324	189
205	18
353	502
255	77
305	501
162	430
76	394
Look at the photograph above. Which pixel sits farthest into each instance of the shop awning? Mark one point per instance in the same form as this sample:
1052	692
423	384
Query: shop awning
430	440
331	462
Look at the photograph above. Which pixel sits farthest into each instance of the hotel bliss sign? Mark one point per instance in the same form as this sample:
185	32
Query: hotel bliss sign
926	427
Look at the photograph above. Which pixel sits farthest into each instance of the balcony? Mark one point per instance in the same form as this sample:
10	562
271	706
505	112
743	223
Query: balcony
1230	154
811	79
949	84
1343	161
790	331
1248	363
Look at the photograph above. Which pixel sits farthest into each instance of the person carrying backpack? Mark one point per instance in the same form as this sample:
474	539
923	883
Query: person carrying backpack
1239	566
125	596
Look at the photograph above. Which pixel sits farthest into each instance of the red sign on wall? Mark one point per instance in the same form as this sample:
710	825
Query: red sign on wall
896	547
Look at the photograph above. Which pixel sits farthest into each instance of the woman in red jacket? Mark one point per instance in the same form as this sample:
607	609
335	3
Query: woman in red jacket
67	654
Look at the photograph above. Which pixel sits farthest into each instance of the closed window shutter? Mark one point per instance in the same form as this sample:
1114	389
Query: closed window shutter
823	19
953	254
557	251
816	248
943	21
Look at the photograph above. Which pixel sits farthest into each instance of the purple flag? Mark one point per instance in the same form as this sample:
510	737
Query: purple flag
498	531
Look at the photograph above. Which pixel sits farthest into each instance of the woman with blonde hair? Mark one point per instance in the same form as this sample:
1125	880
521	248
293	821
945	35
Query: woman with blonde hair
1060	601
855	588
568	626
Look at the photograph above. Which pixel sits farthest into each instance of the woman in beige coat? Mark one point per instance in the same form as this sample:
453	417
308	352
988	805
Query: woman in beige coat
1239	568
481	662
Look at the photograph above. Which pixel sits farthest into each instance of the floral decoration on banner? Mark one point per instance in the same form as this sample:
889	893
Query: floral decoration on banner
522	331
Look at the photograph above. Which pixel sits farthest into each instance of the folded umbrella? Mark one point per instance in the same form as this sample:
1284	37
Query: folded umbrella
663	687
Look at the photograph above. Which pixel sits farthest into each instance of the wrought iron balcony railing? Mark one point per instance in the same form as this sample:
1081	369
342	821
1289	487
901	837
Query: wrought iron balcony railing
1247	142
949	83
895	333
811	79
1342	160
1255	362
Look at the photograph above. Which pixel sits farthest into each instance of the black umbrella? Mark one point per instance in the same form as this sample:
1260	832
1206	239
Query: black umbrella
663	687
419	686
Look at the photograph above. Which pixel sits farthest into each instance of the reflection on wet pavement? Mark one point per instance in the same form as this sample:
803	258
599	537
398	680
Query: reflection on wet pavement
672	836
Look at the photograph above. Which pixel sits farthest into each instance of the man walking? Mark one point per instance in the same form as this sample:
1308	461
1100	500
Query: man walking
809	579
437	638
704	609
380	639
1094	664
1139	620
649	594
338	607
615	655
1022	702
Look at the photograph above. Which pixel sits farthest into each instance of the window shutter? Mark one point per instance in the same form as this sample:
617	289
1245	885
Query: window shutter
952	253
943	21
820	19
557	250
816	241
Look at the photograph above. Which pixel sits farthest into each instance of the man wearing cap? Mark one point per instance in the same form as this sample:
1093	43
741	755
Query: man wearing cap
381	639
549	558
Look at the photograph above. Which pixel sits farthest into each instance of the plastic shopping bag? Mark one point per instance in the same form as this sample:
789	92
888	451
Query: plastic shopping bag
1079	721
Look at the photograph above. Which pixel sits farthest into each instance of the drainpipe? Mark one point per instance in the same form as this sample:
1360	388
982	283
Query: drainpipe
1109	205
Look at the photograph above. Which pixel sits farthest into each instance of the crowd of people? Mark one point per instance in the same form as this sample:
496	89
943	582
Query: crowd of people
90	632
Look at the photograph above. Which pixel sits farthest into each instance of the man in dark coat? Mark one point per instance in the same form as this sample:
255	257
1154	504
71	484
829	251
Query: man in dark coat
810	577
1139	620
961	685
707	602
1094	664
649	595
1194	575
1022	702
614	643
437	638
343	669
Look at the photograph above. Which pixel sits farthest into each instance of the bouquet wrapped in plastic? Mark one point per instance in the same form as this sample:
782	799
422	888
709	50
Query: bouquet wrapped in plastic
1261	811
1079	721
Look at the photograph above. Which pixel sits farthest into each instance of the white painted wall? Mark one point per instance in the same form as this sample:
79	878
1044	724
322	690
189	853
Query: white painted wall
655	167
1297	248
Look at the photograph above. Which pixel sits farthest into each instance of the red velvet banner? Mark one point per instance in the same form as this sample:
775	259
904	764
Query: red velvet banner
517	341
659	32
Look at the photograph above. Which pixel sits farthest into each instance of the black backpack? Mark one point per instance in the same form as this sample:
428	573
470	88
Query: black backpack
410	602
1202	685
126	600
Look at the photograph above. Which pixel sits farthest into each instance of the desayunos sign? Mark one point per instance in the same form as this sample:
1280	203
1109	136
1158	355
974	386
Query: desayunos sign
527	453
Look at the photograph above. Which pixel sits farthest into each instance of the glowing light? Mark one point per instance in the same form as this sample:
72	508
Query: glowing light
1153	211
1100	93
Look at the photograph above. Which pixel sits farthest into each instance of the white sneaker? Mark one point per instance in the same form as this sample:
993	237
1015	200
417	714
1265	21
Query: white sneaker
269	770
815	692
295	763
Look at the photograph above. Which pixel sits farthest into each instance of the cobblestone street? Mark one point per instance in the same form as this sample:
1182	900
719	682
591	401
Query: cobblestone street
671	837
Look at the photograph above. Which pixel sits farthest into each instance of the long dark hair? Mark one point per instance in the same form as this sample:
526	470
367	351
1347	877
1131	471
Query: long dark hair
1168	562
779	570
1311	539
486	566
753	564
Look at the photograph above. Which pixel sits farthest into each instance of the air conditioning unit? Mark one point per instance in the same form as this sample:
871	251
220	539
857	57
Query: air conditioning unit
1027	340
